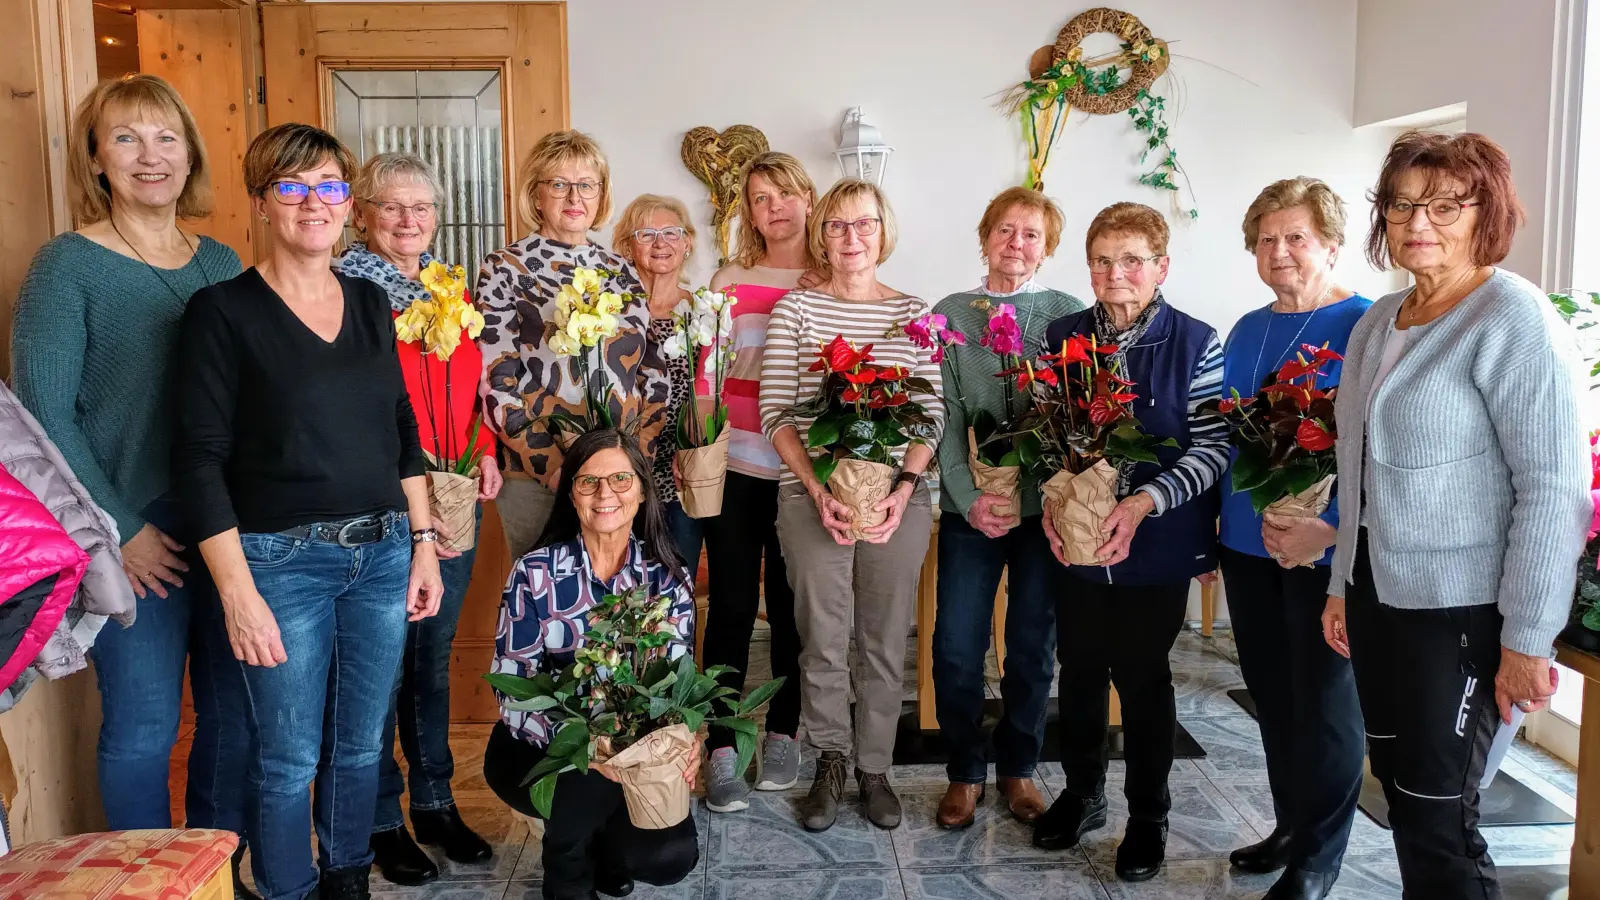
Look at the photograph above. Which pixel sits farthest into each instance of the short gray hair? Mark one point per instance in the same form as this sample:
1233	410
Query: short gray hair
387	168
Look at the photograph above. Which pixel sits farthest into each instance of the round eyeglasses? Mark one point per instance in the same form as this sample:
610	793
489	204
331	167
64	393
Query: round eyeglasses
1441	210
864	227
294	193
672	234
588	484
391	212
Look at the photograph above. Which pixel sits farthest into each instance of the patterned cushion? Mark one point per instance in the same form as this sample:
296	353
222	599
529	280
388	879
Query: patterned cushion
126	865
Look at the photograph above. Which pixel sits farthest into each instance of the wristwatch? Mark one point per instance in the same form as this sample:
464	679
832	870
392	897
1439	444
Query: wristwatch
908	477
424	536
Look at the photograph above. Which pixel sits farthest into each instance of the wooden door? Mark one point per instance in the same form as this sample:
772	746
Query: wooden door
336	65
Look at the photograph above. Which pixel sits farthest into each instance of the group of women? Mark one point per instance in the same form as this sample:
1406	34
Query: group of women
258	438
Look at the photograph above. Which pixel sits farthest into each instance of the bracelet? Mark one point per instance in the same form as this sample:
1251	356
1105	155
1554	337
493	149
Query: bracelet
424	536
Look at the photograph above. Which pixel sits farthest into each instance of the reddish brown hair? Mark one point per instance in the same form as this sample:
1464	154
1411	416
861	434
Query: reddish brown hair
1129	218
1472	159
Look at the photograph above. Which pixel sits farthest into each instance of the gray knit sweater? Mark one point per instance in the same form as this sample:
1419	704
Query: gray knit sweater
1480	468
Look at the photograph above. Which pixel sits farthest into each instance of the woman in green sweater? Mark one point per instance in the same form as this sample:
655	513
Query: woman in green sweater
979	534
95	328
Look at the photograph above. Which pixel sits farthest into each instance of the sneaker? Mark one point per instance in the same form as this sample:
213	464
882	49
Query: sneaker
726	790
821	807
780	763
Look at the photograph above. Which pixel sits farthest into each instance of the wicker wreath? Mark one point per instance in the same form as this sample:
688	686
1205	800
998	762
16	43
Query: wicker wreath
1068	47
716	158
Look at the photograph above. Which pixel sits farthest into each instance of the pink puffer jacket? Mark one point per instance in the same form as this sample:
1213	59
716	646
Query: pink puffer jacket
40	568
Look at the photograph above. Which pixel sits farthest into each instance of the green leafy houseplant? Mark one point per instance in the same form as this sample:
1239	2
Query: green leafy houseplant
622	685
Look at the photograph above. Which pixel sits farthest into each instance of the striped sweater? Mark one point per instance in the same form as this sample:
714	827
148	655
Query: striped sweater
804	321
1202	466
758	289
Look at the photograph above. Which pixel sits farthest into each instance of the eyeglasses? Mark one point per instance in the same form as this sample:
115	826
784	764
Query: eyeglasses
560	186
391	212
1441	210
1128	263
864	227
294	193
621	483
672	234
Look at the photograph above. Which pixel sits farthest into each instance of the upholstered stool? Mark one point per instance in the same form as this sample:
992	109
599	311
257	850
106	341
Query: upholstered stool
157	864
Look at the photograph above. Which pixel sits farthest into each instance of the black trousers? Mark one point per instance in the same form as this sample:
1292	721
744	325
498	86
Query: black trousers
1306	703
588	826
1119	634
1426	680
736	542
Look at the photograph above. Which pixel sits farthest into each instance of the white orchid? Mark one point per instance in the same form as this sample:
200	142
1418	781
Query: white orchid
676	347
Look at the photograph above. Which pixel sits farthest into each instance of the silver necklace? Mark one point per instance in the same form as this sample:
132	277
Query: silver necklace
1256	373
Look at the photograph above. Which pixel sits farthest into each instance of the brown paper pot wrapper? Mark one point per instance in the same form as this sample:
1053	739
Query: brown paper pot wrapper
454	499
998	480
1308	504
861	486
1078	504
704	471
651	772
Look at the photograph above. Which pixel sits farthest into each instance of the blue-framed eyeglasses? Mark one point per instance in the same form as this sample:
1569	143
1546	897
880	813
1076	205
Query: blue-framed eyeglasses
294	193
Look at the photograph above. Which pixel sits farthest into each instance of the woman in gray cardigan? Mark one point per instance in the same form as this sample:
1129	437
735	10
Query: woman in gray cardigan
1463	474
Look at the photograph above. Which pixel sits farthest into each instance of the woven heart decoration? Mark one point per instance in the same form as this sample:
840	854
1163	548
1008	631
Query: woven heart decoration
717	158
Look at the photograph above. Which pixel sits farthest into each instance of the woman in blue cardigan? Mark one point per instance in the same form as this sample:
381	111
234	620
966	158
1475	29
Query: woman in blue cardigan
1117	622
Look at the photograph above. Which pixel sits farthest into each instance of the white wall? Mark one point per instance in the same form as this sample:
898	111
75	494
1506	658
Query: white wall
1257	94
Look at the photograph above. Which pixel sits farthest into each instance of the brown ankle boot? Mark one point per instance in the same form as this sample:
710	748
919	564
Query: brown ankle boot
959	807
1022	798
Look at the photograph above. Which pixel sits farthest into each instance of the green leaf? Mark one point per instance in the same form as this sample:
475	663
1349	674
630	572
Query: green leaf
532	704
573	735
550	765
828	427
660	706
759	697
823	467
1591	619
543	794
687	676
513	686
692	719
718	671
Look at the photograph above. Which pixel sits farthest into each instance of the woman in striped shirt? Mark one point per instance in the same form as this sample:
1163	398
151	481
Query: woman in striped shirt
835	578
1116	622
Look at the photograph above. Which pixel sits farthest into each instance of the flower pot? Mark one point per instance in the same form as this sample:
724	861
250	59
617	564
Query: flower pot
453	500
652	774
861	485
1077	505
1308	504
704	470
1002	481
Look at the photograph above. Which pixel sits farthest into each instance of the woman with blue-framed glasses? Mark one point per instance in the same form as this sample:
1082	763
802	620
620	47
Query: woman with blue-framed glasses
298	463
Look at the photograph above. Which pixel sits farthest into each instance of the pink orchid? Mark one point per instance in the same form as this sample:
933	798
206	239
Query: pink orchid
922	329
1003	335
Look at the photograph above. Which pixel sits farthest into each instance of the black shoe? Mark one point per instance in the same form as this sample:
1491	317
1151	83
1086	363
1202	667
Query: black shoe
399	858
444	828
1143	849
345	884
621	888
240	892
1269	855
1067	821
1298	884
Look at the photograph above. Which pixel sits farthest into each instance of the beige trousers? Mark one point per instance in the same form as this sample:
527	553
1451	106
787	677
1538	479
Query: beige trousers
524	505
876	585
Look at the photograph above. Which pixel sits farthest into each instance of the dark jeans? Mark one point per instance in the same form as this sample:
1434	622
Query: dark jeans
970	564
1426	679
1305	696
420	706
588	826
319	716
736	542
139	670
1119	634
688	534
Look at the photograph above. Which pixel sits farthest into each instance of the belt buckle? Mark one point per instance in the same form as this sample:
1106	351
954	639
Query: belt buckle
344	532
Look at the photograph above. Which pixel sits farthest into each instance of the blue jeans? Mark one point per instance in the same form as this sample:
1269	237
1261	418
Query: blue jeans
688	534
970	564
319	716
139	670
420	706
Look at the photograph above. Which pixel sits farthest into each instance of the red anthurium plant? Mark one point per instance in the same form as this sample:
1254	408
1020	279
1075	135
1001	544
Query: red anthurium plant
862	409
1082	411
1284	434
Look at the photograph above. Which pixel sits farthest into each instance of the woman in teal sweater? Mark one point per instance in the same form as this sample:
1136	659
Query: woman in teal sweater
95	328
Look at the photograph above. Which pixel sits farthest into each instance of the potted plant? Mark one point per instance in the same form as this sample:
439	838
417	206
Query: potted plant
628	702
862	411
585	317
1579	310
437	324
703	329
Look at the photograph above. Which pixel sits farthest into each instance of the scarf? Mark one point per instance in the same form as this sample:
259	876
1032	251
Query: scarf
360	262
1105	332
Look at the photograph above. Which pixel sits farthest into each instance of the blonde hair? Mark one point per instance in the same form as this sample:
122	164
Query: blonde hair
1325	206
843	191
385	169
552	150
154	100
786	174
1133	219
638	212
1028	198
290	148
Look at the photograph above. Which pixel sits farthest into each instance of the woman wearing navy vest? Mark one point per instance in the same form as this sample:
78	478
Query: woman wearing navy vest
1116	623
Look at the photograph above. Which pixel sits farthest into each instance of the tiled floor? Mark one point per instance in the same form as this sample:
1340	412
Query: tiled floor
1220	802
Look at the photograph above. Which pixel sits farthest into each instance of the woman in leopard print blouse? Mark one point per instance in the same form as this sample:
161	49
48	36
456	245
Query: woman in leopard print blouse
656	235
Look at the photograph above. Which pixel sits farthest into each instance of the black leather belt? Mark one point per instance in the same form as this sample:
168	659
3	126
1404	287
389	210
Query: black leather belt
348	533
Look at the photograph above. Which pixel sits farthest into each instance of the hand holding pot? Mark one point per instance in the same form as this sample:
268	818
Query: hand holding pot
1296	540
893	507
835	515
982	516
1120	526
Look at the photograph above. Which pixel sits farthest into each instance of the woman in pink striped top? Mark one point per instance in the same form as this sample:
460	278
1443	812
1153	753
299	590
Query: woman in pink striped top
771	257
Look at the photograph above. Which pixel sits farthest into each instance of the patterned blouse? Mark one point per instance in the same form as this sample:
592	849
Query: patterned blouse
679	374
543	615
526	381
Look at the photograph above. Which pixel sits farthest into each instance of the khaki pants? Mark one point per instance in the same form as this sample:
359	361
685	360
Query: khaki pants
876	584
524	506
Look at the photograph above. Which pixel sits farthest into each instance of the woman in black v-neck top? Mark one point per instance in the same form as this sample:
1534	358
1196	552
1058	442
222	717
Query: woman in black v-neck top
298	463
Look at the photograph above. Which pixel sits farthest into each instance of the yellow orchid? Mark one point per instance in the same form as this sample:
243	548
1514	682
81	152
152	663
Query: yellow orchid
586	281
562	344
411	324
609	304
442	338
470	320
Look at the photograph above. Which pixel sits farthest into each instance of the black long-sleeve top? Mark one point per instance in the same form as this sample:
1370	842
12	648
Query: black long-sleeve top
278	428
